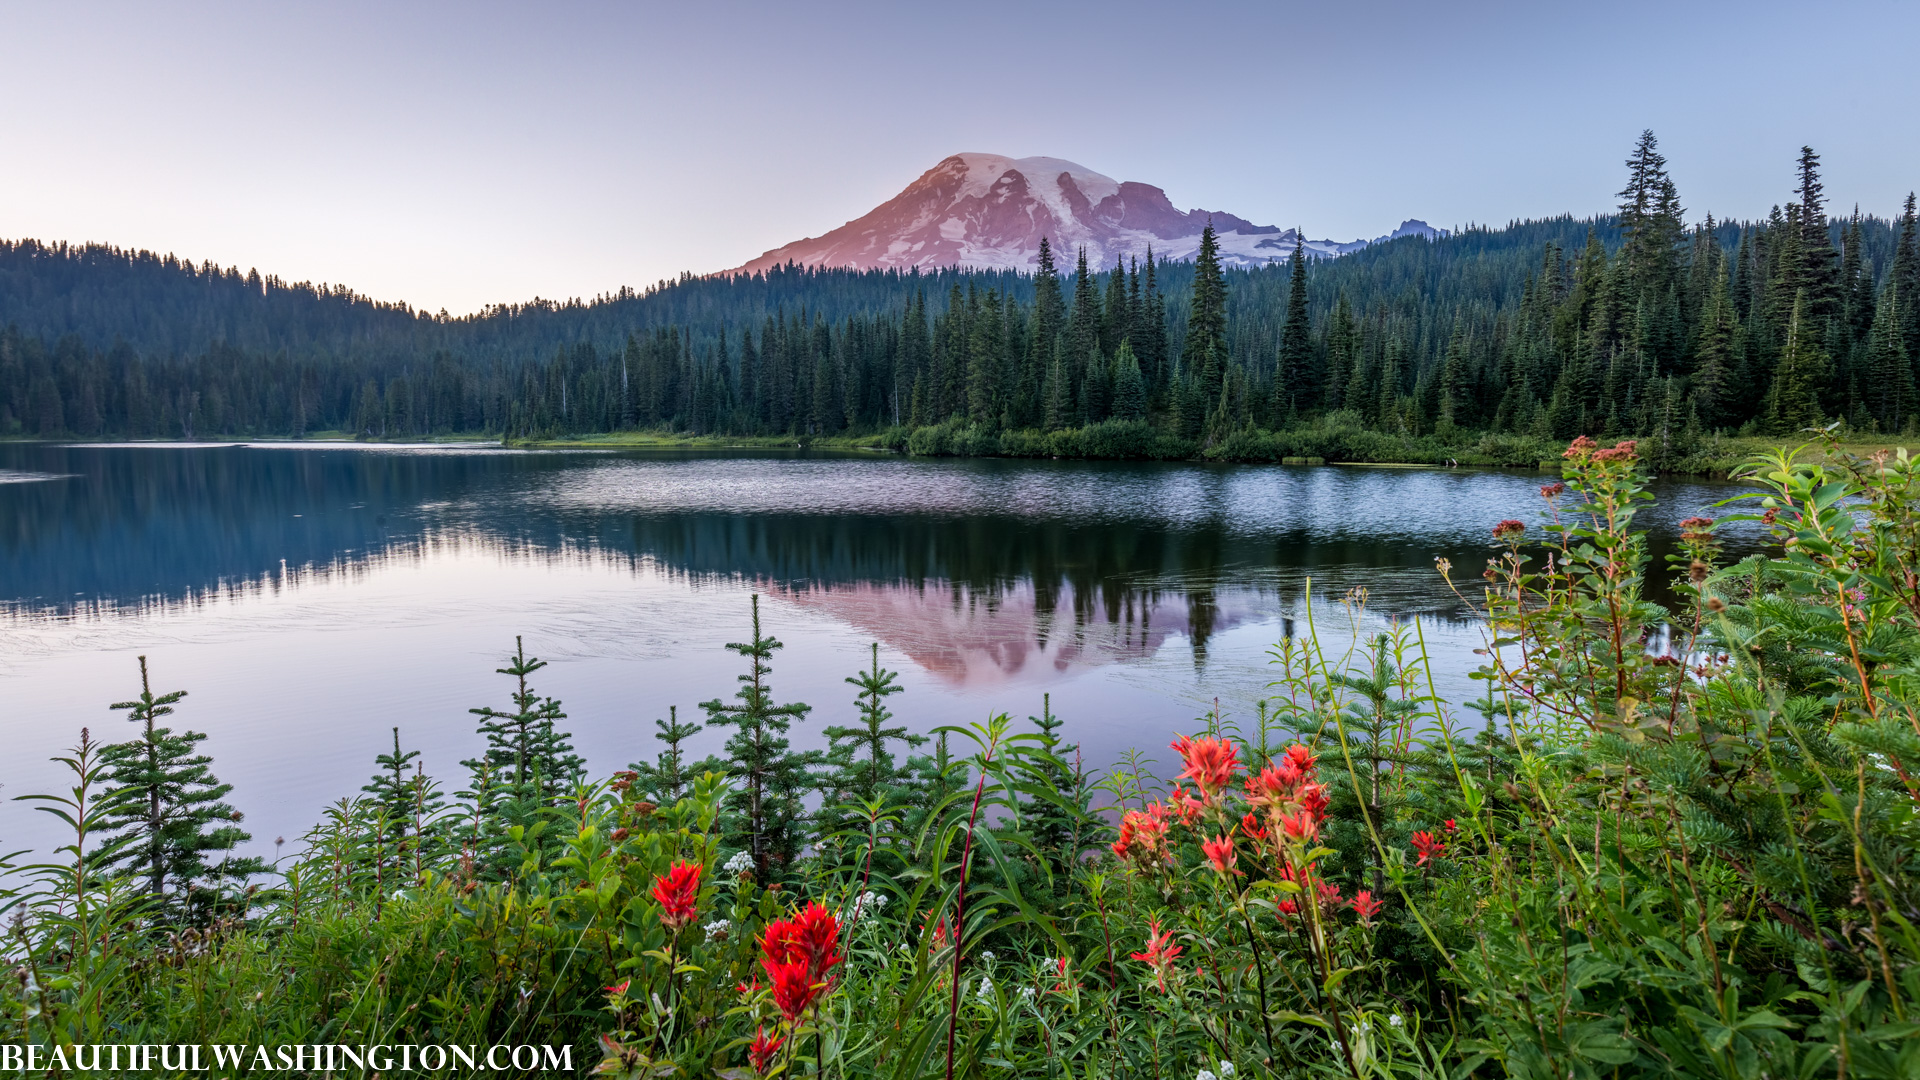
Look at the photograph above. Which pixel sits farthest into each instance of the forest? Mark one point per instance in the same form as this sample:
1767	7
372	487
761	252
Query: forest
1668	839
1497	341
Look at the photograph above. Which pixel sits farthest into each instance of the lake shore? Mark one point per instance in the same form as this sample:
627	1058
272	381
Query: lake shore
1714	457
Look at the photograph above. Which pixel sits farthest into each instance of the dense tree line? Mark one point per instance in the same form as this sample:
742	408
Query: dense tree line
1636	322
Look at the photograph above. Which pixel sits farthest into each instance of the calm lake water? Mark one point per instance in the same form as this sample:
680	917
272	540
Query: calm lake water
310	598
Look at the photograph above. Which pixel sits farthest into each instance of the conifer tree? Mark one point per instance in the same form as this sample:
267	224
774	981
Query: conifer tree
1292	385
984	362
767	805
1116	313
1819	274
1083	335
1794	403
1203	356
1713	356
169	813
1889	366
1905	277
1056	830
863	767
392	791
531	759
1340	352
669	776
1149	337
1129	385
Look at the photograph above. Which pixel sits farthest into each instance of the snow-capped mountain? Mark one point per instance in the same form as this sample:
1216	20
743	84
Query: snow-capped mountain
990	212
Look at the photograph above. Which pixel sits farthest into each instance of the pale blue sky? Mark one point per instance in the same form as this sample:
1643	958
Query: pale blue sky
458	155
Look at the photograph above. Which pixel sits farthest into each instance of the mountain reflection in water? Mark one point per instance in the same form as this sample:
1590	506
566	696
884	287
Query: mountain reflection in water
312	597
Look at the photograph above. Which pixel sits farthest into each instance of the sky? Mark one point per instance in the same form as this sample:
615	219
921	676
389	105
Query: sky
459	155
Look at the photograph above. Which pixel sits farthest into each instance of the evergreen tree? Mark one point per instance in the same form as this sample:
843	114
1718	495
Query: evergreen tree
169	811
532	762
1905	277
1714	357
1794	403
1129	385
1057	832
1116	314
1819	274
1890	367
1292	382
1341	338
669	776
1083	335
863	767
1203	355
391	789
767	806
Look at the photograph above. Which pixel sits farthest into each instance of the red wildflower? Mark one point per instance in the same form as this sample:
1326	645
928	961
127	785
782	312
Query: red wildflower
618	988
1579	448
1553	490
794	987
1060	968
1313	799
1250	825
1160	953
678	891
1220	851
1365	906
764	1047
1451	827
1143	834
820	936
1211	763
748	989
939	931
1428	847
1329	894
1509	529
1301	825
1185	805
1270	786
1302	758
1289	907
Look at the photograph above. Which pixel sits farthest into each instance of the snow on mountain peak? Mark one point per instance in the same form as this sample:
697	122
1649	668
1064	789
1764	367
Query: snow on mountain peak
989	211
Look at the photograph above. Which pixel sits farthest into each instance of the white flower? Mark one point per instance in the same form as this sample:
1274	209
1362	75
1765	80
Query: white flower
1026	995
1205	1074
717	930
740	863
1395	1020
987	957
868	901
1226	1070
986	988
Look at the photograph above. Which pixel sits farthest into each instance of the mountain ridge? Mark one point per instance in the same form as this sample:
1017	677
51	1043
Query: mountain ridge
990	212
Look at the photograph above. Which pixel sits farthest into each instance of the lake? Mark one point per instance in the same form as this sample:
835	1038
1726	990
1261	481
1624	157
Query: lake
312	597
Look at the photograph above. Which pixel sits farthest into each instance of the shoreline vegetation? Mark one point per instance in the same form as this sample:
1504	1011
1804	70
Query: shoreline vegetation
1664	841
1328	443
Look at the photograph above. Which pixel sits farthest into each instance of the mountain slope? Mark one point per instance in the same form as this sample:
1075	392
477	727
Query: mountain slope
991	212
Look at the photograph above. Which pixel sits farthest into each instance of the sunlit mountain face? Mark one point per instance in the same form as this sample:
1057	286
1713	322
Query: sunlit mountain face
991	212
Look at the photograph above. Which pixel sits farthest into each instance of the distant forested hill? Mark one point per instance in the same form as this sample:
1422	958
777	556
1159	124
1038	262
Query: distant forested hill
1627	323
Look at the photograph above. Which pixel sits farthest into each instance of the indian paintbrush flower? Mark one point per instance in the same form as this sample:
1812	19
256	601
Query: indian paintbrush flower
678	891
1221	853
1210	763
1160	952
1428	847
